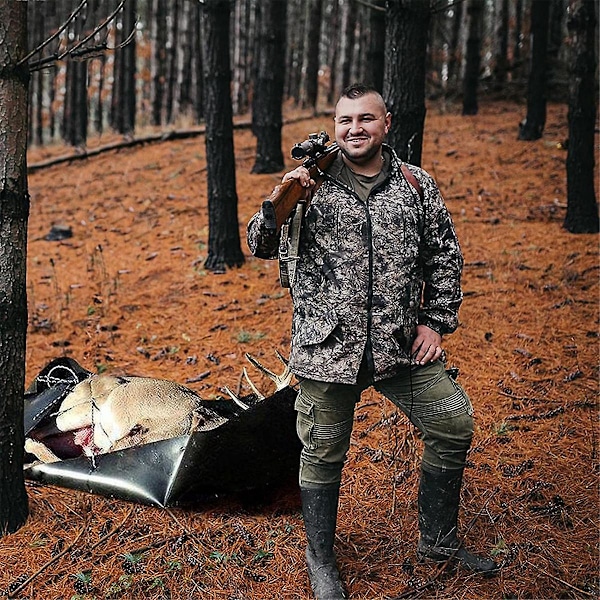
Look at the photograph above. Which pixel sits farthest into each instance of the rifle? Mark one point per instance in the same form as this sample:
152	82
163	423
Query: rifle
284	198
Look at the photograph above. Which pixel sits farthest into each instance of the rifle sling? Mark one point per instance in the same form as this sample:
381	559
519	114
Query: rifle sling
288	246
412	180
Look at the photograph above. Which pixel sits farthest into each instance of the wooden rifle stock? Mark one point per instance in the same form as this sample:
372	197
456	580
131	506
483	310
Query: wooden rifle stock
284	198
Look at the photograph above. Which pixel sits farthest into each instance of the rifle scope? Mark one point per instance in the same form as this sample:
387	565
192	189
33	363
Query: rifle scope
314	145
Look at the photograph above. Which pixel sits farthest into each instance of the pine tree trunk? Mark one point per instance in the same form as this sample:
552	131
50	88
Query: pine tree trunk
346	43
243	53
123	93
99	120
158	60
37	12
518	31
404	80
454	53
310	89
184	61
532	127
582	207
197	84
14	212
268	87
376	51
502	65
171	58
75	116
557	72
471	80
332	50
223	231
294	47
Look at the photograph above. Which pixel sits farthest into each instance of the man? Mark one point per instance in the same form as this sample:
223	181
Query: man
377	285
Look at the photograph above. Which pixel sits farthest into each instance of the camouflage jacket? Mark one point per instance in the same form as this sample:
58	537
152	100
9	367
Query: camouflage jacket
367	274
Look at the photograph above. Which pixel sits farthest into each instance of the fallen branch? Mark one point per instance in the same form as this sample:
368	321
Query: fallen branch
563	582
125	143
113	531
66	550
176	134
523	398
198	377
14	592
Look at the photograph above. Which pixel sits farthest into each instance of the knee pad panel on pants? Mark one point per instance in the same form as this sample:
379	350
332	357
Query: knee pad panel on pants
440	408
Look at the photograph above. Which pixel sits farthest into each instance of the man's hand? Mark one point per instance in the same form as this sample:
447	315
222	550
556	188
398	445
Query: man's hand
427	346
302	176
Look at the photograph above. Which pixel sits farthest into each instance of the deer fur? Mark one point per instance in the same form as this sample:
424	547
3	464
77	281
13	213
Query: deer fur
106	413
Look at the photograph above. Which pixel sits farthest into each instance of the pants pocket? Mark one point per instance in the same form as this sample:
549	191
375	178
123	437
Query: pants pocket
305	421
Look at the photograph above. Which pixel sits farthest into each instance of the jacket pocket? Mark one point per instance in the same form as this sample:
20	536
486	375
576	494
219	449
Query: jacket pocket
315	329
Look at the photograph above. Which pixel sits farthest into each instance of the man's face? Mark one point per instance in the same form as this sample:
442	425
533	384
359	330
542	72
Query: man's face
360	128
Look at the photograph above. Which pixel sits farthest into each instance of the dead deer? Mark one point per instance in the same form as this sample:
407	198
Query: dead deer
106	413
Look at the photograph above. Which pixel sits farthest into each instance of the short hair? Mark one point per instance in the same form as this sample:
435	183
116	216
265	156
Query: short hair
358	90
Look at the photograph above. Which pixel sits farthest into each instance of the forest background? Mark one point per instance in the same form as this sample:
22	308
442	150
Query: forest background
535	402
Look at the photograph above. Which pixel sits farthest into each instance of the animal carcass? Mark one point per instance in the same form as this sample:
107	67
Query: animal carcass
155	441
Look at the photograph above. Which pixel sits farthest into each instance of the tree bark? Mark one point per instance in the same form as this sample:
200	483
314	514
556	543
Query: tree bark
310	89
224	247
582	207
502	64
14	212
75	116
243	54
35	18
124	81
471	80
184	60
294	48
346	45
332	33
268	87
404	80
173	8
557	68
376	50
532	127
197	81
158	36
454	50
518	32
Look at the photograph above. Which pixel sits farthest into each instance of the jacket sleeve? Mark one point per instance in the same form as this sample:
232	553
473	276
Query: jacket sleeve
262	242
441	261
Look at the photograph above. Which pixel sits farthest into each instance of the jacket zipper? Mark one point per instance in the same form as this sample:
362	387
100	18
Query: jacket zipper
369	346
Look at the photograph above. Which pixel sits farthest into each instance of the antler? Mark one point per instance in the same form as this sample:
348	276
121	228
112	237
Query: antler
281	381
241	404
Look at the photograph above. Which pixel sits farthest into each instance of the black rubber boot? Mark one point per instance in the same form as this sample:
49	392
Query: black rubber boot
319	509
439	496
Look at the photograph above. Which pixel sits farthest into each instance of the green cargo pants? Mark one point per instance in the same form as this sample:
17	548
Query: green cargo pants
431	399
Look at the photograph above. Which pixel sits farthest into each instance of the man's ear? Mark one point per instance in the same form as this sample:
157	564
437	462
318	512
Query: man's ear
388	121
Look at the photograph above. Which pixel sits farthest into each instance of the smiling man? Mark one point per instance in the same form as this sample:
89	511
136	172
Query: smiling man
360	129
377	285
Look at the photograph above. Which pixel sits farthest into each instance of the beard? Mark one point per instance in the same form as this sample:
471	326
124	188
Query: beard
363	156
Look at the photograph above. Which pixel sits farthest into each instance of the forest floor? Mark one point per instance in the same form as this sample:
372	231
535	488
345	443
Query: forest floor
128	294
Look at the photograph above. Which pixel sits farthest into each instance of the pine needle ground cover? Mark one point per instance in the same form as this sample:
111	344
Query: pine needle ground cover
128	293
